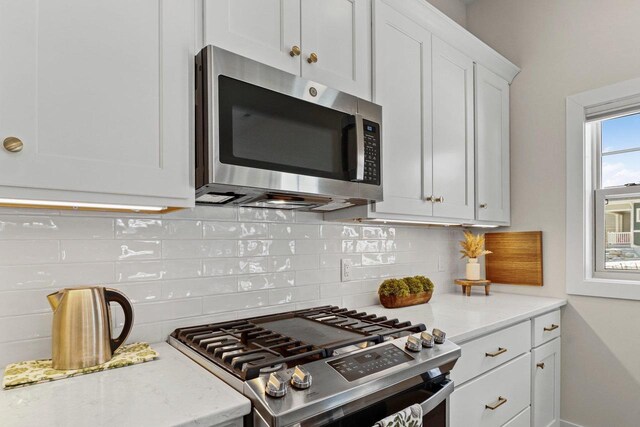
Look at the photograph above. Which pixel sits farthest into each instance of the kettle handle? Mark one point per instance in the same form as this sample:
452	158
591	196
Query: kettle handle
111	295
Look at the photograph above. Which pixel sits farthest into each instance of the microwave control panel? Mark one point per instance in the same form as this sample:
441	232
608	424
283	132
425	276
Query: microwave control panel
371	153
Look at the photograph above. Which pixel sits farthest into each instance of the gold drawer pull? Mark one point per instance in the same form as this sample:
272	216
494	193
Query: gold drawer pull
553	327
540	365
493	406
496	353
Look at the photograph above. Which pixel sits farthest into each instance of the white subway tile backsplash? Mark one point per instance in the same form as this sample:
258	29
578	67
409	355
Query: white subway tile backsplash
200	265
234	230
158	270
149	228
54	227
109	250
176	249
293	231
266	247
267	215
54	275
257	282
234	302
338	231
176	289
16	252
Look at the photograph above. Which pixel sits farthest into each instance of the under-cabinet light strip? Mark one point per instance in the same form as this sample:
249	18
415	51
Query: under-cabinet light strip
79	205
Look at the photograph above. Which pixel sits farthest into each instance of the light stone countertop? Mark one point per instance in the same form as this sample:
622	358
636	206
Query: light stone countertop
464	318
175	391
170	391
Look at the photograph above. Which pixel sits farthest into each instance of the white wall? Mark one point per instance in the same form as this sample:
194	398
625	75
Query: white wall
454	9
565	47
197	266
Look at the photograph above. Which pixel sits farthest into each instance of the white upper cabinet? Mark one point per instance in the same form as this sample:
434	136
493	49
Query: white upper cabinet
338	33
325	41
452	156
99	94
264	30
492	124
402	70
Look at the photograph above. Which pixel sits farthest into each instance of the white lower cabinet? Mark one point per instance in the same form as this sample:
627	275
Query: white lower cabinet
510	377
493	399
523	419
545	384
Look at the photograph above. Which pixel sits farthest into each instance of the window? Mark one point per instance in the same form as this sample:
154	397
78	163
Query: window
616	166
603	192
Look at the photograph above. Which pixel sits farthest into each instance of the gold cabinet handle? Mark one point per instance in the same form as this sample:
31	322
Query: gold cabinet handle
13	144
553	327
483	206
496	353
439	199
429	199
540	365
493	406
313	58
295	51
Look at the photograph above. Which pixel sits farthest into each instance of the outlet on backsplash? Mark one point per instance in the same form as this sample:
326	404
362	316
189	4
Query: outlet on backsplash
346	266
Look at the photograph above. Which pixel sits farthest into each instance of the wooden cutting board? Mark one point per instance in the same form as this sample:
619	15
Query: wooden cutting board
516	258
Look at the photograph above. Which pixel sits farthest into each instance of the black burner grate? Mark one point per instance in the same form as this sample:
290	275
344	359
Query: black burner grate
262	344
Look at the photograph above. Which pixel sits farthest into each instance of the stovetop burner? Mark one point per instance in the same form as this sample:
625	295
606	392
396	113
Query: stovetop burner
246	348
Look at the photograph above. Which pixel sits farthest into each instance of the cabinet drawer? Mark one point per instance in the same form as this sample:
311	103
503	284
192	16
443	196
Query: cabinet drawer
506	389
488	352
546	328
523	419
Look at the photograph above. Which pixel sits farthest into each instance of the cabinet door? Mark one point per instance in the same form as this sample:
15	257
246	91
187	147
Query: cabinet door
338	32
545	379
262	30
492	123
99	94
453	133
402	76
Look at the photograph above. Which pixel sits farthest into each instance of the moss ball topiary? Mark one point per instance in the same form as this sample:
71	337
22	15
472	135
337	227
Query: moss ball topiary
415	285
394	287
427	284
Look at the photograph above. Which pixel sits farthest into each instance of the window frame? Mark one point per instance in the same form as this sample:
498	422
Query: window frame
582	180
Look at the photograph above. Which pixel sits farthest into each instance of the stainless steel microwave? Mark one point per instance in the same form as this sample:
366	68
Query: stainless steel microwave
268	138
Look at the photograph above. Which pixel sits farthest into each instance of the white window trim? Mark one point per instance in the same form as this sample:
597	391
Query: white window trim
579	206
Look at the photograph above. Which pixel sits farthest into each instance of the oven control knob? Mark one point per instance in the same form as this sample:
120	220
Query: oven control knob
438	336
301	378
427	339
413	343
276	385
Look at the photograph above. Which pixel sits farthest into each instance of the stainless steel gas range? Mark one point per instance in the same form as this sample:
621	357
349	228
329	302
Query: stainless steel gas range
327	366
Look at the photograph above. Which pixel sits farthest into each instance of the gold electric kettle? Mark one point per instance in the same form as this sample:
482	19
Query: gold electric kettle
81	333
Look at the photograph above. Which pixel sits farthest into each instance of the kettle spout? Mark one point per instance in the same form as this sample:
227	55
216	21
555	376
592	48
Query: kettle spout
54	299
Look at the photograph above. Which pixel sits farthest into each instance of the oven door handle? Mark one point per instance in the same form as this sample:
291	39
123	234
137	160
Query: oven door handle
359	147
431	403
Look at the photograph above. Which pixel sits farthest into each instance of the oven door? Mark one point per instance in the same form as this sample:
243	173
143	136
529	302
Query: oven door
431	396
273	130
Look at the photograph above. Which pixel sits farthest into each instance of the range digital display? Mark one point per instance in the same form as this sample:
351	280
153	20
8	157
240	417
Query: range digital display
369	362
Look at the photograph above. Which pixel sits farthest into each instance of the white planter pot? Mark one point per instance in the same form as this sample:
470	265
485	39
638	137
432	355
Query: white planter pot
473	269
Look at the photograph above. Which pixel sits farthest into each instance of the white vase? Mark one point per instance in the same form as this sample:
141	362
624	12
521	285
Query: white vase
473	269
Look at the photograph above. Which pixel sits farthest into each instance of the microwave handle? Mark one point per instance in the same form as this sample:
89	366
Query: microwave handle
431	403
359	147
